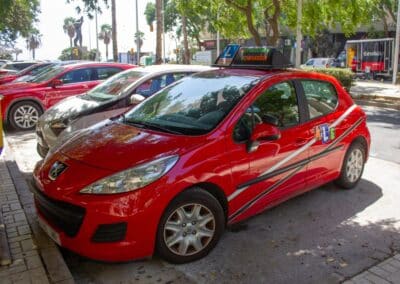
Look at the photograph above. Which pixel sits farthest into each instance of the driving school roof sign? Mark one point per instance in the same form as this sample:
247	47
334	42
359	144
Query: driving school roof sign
258	57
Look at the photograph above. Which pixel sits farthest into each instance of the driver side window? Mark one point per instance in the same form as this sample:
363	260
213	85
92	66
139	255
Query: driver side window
279	101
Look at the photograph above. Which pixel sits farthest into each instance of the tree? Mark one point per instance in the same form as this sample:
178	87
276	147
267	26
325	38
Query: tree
69	28
159	31
105	36
379	10
33	41
114	30
150	13
17	18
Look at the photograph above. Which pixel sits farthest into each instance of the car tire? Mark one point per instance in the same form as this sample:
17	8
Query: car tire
353	166
24	115
42	151
190	227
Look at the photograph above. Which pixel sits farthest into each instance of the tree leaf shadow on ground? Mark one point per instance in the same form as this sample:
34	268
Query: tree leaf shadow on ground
314	238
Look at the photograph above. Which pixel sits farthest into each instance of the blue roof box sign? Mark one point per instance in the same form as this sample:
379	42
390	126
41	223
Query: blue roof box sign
260	57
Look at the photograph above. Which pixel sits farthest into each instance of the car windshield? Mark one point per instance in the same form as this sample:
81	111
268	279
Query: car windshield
34	69
193	106
50	73
114	86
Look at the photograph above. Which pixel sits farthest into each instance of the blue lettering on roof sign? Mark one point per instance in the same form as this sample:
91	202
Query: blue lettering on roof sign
228	54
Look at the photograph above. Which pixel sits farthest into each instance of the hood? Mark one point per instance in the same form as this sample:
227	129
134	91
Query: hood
18	86
115	146
69	108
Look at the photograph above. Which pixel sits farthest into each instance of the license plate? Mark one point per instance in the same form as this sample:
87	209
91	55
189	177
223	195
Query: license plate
49	231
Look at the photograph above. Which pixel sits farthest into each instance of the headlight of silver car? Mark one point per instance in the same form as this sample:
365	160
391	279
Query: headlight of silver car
132	179
58	126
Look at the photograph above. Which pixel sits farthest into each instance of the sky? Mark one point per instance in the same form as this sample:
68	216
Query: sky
54	40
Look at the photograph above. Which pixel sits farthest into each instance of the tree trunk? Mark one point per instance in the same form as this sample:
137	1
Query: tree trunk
186	52
272	23
250	24
33	54
106	52
158	32
114	31
70	42
248	11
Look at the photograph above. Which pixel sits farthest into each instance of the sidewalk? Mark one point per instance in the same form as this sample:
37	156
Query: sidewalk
375	93
28	254
385	272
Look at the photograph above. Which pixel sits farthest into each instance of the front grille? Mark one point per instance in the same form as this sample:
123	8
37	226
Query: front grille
107	233
65	216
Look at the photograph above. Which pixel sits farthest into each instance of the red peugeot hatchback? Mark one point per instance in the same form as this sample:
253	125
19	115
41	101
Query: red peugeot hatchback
208	151
24	102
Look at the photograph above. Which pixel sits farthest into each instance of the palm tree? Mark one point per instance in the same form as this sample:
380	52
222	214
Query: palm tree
69	28
33	41
114	30
159	31
105	35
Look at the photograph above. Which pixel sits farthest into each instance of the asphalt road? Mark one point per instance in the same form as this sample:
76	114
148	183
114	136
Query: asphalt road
324	236
384	125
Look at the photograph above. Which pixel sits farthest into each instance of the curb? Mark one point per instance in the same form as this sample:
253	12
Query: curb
5	255
50	254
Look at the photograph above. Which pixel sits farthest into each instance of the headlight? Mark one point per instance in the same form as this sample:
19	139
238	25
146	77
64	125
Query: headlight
1	97
58	127
132	179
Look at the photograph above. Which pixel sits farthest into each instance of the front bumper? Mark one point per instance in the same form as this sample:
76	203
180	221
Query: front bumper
99	229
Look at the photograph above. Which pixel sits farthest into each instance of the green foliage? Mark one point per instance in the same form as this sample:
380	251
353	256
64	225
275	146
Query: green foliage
88	7
6	56
66	54
17	18
150	13
344	76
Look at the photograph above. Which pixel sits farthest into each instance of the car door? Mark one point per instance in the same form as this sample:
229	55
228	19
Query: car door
276	169
321	101
74	82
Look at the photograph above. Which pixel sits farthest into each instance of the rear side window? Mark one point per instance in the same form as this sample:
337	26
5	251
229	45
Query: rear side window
321	97
76	76
106	72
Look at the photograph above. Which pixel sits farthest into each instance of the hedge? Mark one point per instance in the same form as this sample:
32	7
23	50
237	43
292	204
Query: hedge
343	75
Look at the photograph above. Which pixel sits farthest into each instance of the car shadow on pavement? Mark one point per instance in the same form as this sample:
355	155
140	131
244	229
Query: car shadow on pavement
314	238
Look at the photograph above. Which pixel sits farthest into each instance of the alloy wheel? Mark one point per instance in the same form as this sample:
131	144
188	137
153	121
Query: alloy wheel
354	165
26	116
189	229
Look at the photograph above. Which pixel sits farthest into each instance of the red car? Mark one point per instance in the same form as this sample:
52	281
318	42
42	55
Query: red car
31	71
208	151
24	102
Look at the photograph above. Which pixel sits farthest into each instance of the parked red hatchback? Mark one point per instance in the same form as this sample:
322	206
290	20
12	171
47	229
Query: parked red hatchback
24	102
210	150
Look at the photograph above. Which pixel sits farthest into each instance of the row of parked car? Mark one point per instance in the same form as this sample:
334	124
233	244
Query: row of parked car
163	158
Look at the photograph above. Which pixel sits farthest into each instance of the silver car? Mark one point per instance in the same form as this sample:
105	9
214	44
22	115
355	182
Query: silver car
111	98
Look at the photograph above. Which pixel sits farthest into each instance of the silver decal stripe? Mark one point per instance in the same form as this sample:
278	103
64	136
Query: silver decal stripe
295	153
331	147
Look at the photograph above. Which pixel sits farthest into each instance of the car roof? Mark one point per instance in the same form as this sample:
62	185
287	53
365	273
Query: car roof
173	68
95	64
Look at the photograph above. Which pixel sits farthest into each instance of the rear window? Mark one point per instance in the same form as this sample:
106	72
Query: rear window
321	97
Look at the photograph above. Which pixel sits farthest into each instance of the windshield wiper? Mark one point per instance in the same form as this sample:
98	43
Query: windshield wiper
149	125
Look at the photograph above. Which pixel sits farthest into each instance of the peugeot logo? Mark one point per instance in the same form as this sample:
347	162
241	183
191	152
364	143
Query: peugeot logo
56	169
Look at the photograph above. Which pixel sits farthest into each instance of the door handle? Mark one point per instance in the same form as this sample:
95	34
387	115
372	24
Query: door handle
300	141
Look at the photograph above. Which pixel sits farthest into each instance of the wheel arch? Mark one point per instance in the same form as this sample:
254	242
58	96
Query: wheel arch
13	103
363	141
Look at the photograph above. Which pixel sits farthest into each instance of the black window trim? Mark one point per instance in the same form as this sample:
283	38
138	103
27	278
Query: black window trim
73	70
300	104
304	98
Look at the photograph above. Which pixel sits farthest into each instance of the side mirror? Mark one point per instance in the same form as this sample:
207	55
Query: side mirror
55	83
136	99
262	132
